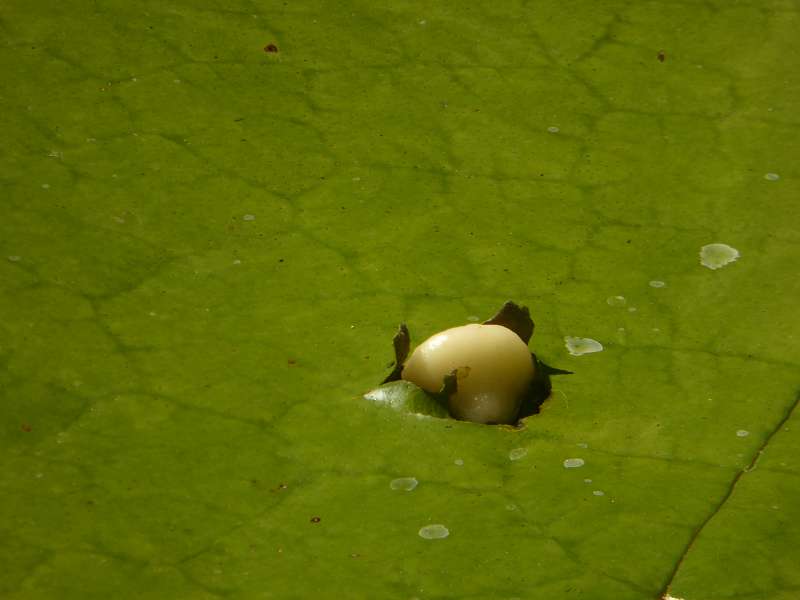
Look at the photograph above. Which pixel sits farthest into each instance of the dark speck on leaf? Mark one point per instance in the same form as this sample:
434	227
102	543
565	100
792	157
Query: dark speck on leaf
661	56
26	428
272	48
291	361
315	519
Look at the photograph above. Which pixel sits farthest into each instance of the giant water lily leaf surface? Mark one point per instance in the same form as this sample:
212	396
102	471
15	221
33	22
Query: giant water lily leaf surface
215	214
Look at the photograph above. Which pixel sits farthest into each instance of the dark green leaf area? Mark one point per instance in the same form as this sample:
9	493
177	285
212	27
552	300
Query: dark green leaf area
406	397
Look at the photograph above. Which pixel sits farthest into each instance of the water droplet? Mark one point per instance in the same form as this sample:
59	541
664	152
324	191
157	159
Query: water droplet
45	186
632	309
458	462
434	532
511	507
553	129
473	318
237	262
616	301
657	284
573	463
14	258
742	433
716	256
578	346
772	177
404	484
582	445
249	218
587	481
518	453
598	493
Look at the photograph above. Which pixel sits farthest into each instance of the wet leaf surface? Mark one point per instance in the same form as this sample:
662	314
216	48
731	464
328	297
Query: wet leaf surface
205	246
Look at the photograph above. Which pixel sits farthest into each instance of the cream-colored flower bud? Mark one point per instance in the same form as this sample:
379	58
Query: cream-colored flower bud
494	369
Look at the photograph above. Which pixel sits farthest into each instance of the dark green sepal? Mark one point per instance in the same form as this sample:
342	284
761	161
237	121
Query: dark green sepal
516	318
402	345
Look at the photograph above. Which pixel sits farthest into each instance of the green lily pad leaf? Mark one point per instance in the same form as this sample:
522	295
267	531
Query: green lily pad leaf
211	212
406	397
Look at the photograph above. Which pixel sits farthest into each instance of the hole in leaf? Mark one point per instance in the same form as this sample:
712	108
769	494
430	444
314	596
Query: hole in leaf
481	373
